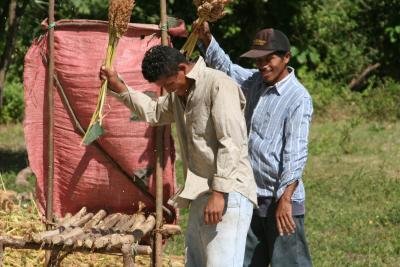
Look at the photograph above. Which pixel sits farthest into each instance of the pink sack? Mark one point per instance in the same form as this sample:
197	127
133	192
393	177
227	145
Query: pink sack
83	176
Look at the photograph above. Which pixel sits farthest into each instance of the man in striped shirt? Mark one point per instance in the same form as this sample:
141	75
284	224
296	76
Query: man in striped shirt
278	116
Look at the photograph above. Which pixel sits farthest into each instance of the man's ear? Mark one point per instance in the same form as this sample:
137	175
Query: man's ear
183	67
287	57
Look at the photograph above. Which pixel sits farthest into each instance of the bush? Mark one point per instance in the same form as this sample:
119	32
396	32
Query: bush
382	102
323	92
13	103
328	42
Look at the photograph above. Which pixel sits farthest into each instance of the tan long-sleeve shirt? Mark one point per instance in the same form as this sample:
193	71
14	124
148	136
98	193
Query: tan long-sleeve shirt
212	130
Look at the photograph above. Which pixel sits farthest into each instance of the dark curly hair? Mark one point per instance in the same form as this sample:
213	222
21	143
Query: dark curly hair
161	61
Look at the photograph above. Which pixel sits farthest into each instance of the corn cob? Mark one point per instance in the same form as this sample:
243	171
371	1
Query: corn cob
207	10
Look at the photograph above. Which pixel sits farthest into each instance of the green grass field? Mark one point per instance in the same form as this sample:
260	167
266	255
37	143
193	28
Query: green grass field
353	188
352	183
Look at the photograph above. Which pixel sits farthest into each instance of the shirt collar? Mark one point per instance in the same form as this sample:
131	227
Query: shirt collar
197	69
279	86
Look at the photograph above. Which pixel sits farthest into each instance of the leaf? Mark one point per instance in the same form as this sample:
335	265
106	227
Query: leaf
93	133
294	50
314	57
302	57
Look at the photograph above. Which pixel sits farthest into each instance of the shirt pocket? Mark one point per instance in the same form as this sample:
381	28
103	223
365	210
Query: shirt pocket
262	124
201	123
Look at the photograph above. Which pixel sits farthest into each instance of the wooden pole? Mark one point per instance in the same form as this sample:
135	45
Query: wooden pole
1	254
128	260
160	156
164	26
50	174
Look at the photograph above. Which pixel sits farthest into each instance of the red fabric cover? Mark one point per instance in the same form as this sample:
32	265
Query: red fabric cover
82	175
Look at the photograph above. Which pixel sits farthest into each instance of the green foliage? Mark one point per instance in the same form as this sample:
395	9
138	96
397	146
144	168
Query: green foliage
82	9
323	92
13	103
331	45
393	33
379	22
332	42
382	102
338	39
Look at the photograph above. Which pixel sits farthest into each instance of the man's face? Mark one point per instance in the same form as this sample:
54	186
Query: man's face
175	83
273	67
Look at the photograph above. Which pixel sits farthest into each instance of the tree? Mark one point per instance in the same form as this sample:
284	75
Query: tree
335	40
15	10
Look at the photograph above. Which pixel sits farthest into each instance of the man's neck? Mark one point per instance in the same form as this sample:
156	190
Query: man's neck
285	72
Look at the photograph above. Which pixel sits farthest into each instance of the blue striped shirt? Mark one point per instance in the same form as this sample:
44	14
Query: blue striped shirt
278	119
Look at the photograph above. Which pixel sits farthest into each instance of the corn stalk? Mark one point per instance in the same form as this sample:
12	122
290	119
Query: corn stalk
119	14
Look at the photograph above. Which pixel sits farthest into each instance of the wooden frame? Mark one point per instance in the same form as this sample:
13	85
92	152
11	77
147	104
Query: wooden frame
160	231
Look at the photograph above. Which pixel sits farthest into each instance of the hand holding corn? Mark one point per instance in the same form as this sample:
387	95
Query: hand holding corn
114	82
119	14
207	10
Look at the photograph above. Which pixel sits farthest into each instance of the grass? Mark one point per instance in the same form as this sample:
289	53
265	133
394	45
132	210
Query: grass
352	183
13	157
176	246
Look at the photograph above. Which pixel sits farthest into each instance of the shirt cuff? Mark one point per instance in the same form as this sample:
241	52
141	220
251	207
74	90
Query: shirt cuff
223	184
117	95
282	188
121	95
212	47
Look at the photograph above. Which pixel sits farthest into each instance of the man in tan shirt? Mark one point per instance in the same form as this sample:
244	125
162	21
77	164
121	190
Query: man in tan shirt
207	107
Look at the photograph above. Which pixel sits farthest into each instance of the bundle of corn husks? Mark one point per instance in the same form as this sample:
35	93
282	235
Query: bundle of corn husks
119	14
207	10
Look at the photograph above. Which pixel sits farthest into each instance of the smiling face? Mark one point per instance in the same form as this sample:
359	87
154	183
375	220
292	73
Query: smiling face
273	67
177	83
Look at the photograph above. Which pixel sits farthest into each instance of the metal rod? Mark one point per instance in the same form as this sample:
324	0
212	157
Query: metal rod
160	154
50	93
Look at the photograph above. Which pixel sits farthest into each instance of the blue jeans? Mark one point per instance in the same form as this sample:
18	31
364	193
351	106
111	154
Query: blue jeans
265	246
220	245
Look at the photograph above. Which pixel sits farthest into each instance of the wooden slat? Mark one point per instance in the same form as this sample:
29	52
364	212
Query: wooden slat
21	243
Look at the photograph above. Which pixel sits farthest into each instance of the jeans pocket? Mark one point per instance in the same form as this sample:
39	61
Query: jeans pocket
233	200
